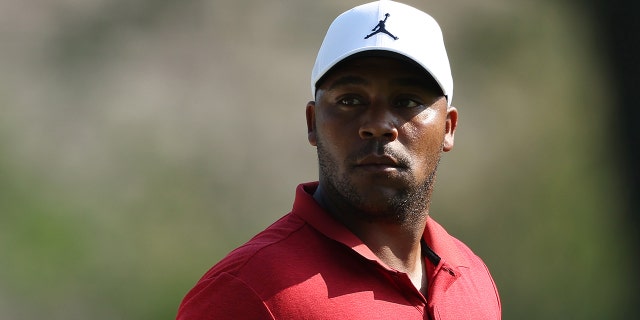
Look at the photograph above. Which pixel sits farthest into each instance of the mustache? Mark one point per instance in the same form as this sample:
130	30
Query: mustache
377	148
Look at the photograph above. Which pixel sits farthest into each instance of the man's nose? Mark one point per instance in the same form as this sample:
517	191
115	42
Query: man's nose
378	122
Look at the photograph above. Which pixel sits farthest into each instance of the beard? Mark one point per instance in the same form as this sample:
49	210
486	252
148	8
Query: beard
409	203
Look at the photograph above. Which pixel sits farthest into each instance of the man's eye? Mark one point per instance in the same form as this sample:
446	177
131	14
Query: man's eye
407	103
350	101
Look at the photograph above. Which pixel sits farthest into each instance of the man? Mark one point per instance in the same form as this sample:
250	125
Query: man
359	244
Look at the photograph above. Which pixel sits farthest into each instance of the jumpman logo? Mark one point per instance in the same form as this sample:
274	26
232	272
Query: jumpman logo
381	28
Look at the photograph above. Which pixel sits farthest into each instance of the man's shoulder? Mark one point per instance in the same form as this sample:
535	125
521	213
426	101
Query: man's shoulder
256	270
463	248
265	250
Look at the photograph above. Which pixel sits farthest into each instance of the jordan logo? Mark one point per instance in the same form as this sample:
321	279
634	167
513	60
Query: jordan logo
381	28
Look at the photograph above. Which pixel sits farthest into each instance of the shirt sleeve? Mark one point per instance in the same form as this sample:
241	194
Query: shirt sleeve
223	297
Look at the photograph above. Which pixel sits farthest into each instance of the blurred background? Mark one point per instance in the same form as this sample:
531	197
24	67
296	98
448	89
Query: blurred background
140	141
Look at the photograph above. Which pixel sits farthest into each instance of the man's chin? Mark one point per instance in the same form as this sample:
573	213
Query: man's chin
384	214
380	194
390	203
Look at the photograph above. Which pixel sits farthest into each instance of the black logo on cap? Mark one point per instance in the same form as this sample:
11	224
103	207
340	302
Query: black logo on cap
380	27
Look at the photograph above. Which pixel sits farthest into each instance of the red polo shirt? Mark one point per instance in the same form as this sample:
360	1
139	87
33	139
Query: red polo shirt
308	266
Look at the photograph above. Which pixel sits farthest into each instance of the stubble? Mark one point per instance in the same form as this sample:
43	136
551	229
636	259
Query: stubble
409	205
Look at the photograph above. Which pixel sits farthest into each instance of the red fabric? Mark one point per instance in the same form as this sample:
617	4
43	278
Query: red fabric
308	266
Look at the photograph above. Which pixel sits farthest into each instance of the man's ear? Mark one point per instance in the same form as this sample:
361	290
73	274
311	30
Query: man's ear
311	123
450	128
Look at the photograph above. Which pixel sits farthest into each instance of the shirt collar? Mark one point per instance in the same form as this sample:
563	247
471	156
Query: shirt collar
443	244
305	206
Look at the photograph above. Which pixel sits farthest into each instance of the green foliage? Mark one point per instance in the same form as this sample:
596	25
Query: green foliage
141	141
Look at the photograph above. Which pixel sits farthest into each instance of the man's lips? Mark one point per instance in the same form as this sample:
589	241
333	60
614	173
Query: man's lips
378	163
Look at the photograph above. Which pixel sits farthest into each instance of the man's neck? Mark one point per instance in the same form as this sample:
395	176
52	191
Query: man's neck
398	245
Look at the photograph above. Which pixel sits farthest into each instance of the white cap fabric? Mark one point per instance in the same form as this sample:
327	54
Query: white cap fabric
387	26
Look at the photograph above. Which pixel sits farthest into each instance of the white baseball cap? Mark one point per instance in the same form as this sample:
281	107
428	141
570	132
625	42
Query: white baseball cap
386	26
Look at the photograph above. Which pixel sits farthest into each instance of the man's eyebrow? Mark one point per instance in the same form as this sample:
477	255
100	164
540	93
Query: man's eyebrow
348	80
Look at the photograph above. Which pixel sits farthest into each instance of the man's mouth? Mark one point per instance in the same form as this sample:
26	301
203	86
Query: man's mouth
378	163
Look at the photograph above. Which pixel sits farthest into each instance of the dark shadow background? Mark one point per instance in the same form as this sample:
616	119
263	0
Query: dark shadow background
619	28
140	141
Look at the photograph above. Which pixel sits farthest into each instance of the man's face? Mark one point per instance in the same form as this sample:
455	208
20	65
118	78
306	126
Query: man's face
379	125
